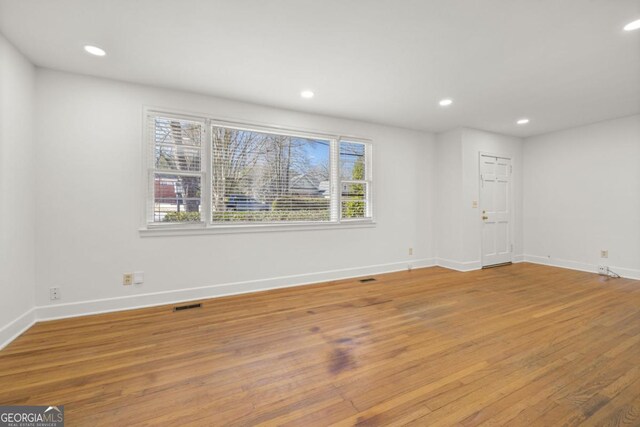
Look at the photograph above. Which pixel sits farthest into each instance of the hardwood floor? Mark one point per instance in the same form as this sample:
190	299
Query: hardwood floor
518	345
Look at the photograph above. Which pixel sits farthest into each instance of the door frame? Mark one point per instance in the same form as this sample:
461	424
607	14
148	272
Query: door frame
511	202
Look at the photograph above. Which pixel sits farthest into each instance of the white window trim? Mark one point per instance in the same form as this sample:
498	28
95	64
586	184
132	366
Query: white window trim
207	226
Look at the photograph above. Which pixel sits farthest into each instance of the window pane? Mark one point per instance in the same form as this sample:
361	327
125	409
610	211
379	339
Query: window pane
352	161
263	177
176	198
177	158
354	200
177	144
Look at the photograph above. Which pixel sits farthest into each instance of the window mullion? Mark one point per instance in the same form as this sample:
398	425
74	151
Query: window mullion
149	147
336	185
205	194
368	158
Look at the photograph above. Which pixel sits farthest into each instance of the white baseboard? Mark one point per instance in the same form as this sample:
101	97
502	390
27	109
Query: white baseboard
83	308
627	273
518	258
458	265
16	327
469	265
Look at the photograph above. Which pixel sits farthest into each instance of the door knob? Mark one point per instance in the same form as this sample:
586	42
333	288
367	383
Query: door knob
485	217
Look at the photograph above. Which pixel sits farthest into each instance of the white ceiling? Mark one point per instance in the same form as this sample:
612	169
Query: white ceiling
560	63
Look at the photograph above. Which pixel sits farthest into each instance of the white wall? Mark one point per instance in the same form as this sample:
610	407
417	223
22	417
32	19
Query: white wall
425	195
17	192
90	198
459	226
582	189
448	202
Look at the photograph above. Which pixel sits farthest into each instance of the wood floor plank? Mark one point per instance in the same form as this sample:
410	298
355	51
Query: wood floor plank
518	345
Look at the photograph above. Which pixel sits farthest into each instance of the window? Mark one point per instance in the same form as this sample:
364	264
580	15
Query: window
212	174
177	172
354	179
269	177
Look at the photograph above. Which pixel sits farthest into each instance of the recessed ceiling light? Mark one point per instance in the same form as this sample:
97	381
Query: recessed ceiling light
522	121
632	25
306	94
446	102
94	50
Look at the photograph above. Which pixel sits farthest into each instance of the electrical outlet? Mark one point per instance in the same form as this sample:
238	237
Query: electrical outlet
127	279
54	294
603	270
409	267
604	253
410	251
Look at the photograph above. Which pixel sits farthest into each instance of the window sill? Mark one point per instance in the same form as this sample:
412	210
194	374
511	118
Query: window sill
201	229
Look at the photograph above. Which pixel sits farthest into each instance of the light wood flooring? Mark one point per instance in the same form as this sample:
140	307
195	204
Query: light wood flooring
519	345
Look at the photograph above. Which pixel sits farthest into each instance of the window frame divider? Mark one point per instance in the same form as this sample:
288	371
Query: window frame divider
205	187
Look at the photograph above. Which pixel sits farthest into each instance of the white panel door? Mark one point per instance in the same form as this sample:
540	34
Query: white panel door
495	203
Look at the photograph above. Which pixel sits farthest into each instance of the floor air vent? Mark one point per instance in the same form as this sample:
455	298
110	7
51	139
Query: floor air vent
186	307
367	280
